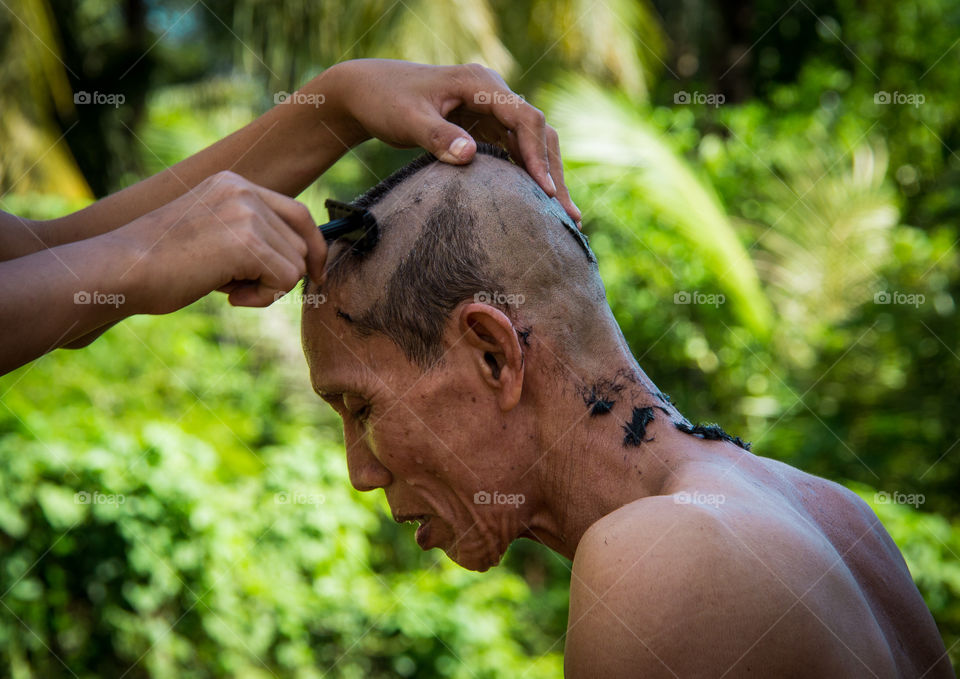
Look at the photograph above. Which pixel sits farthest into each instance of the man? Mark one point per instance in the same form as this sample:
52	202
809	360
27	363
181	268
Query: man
486	387
223	219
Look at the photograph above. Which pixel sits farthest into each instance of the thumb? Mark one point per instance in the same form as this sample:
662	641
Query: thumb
448	142
254	294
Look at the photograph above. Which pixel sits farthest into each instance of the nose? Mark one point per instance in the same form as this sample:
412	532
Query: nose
366	472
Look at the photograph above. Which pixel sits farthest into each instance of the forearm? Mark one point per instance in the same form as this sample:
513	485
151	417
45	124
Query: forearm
19	236
285	150
56	295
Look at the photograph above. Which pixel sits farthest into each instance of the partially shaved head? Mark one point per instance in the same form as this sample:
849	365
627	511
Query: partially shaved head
473	357
448	233
443	346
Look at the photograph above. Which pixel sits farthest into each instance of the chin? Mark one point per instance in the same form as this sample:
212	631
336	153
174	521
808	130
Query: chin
473	557
479	564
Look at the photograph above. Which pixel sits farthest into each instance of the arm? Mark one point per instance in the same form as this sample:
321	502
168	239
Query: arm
284	150
275	156
226	234
292	144
48	298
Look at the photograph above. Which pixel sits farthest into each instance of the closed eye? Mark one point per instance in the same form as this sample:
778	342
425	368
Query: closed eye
356	407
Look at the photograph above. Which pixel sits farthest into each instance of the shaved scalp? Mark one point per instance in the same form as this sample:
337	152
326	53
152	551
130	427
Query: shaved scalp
486	232
479	232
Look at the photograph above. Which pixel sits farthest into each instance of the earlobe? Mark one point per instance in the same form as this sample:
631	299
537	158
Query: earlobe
499	358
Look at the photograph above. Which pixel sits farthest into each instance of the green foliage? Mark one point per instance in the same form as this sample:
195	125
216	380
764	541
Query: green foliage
201	523
799	199
621	159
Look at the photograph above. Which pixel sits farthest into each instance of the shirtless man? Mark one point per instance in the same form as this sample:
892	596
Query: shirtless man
486	387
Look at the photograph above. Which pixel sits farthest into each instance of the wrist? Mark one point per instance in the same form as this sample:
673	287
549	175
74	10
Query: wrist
336	85
128	269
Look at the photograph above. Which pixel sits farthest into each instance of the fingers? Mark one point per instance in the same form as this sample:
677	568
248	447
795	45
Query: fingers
253	294
556	169
448	142
484	91
274	259
530	131
532	143
514	148
528	127
302	229
273	241
285	249
270	269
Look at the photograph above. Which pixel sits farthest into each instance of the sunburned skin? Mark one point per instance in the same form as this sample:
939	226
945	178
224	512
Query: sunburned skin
692	556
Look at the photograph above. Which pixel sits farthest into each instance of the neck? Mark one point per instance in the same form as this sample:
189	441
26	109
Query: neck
609	442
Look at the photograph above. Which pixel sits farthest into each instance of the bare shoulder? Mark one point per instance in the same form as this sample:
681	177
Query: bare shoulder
665	588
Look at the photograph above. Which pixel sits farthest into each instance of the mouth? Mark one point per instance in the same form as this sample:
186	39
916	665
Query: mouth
423	531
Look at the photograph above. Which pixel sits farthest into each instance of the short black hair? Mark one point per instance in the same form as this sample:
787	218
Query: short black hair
445	266
374	195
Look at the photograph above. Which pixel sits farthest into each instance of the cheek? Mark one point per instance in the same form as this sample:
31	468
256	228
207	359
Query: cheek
423	455
400	443
432	436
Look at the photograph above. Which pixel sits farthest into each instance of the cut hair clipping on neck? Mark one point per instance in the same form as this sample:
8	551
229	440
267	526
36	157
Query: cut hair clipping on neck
354	225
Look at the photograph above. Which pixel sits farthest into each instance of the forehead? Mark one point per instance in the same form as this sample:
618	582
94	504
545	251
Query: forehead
340	359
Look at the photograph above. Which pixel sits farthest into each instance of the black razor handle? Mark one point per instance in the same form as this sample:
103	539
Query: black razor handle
347	221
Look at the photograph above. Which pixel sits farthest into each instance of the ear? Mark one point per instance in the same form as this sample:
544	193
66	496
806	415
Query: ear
496	349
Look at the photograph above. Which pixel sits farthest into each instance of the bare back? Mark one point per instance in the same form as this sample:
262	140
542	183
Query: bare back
873	561
771	571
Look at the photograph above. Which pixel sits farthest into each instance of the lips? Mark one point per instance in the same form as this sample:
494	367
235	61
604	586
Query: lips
423	535
423	531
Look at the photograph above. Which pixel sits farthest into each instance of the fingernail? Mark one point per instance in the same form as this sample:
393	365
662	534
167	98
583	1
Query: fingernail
550	184
579	226
457	146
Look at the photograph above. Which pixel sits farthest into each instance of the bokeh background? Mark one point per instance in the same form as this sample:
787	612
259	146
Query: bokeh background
772	190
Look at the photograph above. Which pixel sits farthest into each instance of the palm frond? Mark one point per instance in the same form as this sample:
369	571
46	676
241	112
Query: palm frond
617	145
619	42
822	253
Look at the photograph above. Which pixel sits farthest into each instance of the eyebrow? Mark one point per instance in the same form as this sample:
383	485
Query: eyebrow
327	390
339	389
